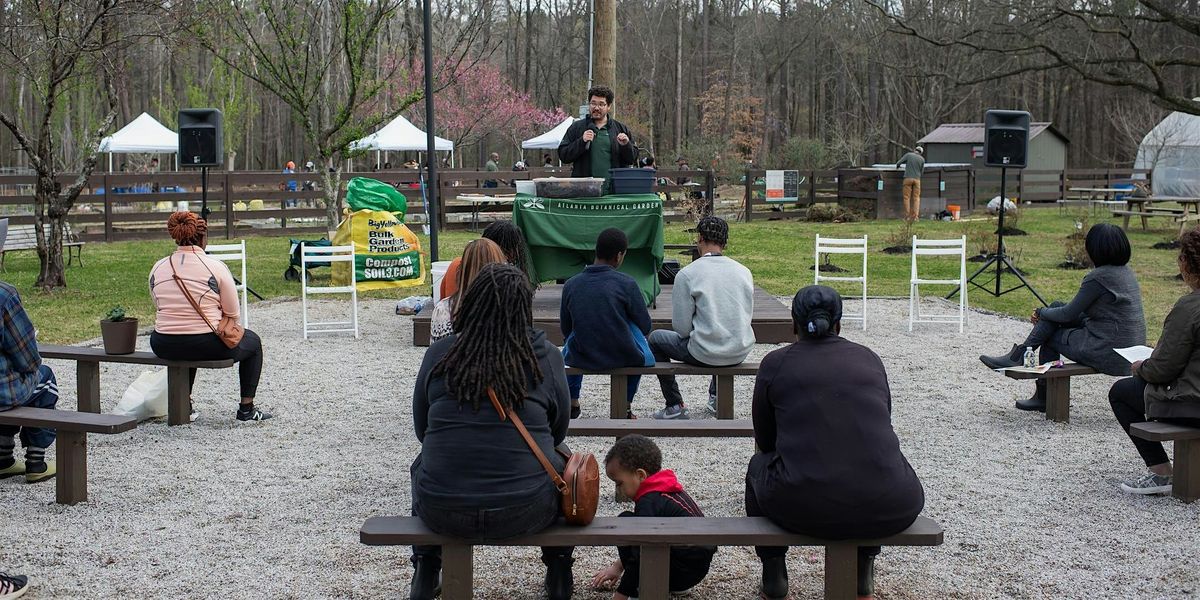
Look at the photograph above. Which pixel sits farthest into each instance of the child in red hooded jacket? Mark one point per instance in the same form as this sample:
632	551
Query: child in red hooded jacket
635	464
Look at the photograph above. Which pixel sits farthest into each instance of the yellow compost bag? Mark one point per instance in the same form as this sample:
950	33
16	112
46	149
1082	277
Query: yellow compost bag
386	253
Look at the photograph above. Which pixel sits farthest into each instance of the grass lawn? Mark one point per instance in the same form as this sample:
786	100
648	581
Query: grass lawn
779	253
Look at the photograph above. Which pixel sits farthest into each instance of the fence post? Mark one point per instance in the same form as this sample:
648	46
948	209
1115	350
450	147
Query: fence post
710	190
749	196
812	188
108	224
228	208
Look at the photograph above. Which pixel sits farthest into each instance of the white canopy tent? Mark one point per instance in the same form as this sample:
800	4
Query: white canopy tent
1172	151
399	136
143	135
550	139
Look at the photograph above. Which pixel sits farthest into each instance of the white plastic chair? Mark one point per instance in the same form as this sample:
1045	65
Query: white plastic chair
234	252
328	254
956	248
843	246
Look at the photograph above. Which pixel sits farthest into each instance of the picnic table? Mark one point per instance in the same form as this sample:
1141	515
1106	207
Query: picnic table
477	201
1096	196
1189	210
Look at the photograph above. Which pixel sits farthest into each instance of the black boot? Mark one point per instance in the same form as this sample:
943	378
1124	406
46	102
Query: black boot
866	575
427	579
1037	401
560	582
1014	358
774	578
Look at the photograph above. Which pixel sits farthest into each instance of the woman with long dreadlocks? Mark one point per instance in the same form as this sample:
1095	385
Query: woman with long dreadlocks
475	477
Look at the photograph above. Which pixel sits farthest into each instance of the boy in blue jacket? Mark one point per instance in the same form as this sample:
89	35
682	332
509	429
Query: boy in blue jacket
604	318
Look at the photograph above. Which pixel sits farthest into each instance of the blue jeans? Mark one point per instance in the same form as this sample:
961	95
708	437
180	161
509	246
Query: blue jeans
575	382
45	395
666	346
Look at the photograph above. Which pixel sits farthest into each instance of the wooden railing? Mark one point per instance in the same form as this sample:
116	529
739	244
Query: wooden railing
954	185
681	201
870	190
115	207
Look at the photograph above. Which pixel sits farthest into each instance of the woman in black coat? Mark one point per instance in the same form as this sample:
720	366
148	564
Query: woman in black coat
829	464
475	477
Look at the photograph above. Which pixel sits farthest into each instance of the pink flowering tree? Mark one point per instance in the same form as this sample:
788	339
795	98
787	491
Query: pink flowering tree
473	100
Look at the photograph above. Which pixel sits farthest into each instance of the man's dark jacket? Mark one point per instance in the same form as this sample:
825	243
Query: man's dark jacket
574	150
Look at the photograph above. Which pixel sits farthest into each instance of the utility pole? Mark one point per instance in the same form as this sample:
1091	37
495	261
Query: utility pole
606	43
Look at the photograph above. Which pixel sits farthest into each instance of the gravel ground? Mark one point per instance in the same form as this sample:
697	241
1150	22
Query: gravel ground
272	510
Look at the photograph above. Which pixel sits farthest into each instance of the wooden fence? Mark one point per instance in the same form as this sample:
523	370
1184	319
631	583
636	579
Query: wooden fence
117	207
693	195
873	191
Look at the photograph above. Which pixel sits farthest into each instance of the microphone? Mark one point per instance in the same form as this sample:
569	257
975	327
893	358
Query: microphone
592	128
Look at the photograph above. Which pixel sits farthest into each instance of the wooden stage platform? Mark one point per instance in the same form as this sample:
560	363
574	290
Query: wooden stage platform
772	319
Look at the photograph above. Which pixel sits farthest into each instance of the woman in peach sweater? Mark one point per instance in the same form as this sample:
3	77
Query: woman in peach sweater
182	333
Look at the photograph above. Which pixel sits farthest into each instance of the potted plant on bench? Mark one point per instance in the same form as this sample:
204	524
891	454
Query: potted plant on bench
119	332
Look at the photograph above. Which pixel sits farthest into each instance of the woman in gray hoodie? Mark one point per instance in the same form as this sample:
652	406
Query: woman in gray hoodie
1106	313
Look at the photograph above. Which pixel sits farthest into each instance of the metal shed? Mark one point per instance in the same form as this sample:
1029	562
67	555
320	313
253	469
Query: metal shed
963	143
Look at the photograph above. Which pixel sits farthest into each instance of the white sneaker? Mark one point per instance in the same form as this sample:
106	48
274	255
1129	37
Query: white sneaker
678	411
1148	484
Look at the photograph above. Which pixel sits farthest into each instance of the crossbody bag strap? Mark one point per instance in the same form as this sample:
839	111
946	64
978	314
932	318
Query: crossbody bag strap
188	295
554	476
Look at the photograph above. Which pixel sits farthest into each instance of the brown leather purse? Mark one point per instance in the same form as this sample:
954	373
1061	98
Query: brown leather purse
230	330
580	482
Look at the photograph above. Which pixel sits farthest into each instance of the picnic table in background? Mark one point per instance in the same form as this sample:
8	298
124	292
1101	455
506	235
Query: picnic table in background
478	201
1097	196
1144	207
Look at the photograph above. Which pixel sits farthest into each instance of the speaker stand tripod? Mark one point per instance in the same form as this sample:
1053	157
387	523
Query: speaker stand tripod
205	211
1000	259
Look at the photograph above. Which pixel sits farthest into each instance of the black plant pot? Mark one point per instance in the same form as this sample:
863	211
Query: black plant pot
120	337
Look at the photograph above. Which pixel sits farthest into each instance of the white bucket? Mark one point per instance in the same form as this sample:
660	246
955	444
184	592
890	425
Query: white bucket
439	271
526	186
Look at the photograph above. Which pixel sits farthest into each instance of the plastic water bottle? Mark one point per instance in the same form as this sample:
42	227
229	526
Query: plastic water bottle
1030	357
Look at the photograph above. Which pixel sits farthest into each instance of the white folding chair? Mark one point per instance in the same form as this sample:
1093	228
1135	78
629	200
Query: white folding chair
958	248
843	246
234	252
328	255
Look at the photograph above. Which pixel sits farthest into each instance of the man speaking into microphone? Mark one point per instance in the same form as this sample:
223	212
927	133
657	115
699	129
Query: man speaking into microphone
596	143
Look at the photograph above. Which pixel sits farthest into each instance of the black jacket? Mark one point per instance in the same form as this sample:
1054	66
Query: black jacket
662	496
473	460
822	419
574	150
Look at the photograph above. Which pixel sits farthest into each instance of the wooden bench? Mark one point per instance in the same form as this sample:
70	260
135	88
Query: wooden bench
71	446
655	536
1185	483
1058	388
618	382
24	237
661	428
87	370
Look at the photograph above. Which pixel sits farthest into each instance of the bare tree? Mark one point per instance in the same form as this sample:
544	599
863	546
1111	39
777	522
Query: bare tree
1152	46
61	48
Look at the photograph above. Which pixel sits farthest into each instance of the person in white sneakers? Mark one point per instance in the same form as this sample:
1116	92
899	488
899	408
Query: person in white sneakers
711	309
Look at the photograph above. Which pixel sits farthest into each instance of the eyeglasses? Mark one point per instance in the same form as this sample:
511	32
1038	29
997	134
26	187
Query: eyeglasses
597	104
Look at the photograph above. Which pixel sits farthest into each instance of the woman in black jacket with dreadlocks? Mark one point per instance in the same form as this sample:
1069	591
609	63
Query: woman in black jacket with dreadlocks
475	477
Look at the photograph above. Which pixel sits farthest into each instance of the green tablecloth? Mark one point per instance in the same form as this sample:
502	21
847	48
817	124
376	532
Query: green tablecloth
562	234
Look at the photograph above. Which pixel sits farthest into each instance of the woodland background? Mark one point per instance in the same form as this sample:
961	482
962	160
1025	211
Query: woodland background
778	83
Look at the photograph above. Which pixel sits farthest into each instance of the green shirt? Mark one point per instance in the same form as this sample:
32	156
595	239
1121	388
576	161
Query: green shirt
601	155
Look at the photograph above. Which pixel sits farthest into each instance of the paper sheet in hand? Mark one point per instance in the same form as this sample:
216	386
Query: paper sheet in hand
1134	353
